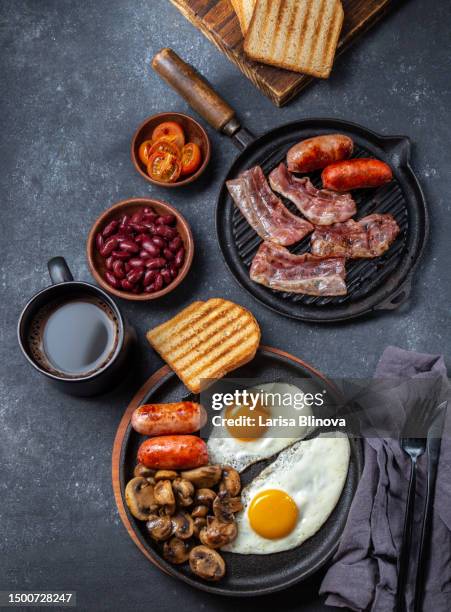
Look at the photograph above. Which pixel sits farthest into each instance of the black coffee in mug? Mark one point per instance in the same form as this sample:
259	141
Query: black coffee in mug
73	337
74	334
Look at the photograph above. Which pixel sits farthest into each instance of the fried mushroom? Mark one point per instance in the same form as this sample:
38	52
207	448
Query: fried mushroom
184	491
182	525
199	524
165	475
164	496
224	507
204	497
206	563
231	481
159	527
145	472
176	551
206	476
140	498
217	534
199	511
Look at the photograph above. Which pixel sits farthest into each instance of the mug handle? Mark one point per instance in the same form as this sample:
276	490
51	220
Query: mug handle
59	271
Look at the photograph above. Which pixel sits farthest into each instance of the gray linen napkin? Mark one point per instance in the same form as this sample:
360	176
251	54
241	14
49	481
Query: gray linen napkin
363	575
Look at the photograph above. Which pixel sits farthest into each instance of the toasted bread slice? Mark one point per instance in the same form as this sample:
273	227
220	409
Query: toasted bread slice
206	340
299	35
244	10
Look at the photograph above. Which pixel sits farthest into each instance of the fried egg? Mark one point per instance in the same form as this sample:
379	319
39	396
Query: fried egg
241	446
291	499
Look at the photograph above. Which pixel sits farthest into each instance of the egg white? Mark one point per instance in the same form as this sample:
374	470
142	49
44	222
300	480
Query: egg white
227	450
313	472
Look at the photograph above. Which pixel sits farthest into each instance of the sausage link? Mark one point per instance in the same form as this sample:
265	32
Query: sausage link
164	419
318	152
173	453
356	174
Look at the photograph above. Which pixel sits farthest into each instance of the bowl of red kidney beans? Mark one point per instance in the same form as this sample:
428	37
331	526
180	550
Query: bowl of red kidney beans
140	249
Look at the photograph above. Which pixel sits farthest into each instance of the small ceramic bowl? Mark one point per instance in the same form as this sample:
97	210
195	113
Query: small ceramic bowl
194	132
97	263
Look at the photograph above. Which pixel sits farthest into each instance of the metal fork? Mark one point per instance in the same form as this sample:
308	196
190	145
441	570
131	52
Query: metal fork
420	418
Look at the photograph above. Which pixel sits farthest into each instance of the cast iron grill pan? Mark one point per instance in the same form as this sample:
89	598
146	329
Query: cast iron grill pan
250	575
379	283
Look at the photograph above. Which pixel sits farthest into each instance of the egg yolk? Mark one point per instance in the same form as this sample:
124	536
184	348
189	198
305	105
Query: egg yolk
273	514
251	430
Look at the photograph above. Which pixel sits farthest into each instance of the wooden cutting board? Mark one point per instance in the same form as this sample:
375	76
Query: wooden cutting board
218	21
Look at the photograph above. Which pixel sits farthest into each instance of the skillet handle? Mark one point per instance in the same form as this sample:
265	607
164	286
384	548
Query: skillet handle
199	94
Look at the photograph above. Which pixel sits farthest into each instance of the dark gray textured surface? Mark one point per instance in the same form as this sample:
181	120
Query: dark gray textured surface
75	84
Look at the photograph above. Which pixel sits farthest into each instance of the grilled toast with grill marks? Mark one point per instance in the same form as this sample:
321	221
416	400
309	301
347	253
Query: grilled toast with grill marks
244	10
299	35
206	340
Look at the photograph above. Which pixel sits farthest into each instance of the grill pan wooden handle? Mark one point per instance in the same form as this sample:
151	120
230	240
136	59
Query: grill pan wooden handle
199	94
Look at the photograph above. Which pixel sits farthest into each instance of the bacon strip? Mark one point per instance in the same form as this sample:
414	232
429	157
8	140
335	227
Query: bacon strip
264	211
370	237
320	206
277	268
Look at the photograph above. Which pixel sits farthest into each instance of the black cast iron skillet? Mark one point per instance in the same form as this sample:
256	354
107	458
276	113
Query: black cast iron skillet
377	284
249	575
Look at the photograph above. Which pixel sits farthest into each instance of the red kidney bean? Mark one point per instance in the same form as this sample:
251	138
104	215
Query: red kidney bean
149	277
149	288
129	246
136	262
165	231
109	262
137	217
175	244
140	237
173	270
148	210
167	277
135	275
145	254
123	255
158	283
149	246
159	242
99	242
150	217
127	266
111	279
180	257
118	269
150	226
138	227
125	284
166	219
108	247
110	228
123	223
156	263
168	254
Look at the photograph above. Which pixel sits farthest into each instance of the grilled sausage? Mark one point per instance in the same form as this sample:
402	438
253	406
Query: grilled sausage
173	453
317	153
164	419
356	174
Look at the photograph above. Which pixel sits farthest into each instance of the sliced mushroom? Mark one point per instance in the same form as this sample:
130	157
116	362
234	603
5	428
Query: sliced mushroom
206	563
206	497
165	475
199	524
224	507
217	534
199	511
159	527
231	481
176	551
164	496
184	491
206	476
140	498
145	472
182	525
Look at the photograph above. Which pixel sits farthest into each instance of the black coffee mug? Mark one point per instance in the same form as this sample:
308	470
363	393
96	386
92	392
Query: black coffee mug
110	372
